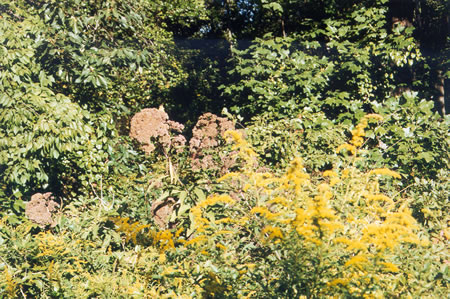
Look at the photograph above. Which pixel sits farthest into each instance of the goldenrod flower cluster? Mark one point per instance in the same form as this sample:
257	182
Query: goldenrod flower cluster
164	240
358	134
342	213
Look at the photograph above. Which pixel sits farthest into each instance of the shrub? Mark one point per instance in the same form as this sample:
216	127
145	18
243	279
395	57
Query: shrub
39	130
309	135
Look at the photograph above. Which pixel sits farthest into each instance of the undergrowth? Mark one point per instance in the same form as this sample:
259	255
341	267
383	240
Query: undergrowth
270	233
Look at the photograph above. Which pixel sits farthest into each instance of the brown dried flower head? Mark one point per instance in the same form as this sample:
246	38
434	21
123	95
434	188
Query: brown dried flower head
206	135
41	208
154	124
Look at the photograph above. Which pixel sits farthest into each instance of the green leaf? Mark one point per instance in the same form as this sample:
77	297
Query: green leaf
200	194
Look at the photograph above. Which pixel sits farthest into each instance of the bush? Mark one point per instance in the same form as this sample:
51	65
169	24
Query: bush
310	135
39	130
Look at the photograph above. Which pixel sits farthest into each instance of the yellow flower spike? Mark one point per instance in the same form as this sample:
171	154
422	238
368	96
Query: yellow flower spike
259	210
227	176
234	136
358	141
351	244
224	220
246	187
378	197
334	181
385	171
330	226
322	188
162	258
218	245
358	261
274	232
345	173
178	232
348	147
341	281
389	267
195	241
329	173
374	116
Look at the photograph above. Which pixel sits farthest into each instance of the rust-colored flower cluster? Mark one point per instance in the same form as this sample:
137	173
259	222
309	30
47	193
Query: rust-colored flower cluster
154	124
206	136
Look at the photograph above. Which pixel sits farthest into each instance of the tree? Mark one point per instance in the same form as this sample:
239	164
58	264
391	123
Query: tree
430	20
39	129
105	54
343	65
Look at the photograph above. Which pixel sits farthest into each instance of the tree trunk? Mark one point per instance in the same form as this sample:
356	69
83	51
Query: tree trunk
439	98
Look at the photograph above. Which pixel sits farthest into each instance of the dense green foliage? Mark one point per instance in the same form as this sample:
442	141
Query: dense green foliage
40	130
343	66
334	183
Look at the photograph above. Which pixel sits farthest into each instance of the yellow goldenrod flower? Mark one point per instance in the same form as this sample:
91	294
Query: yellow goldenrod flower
351	244
195	240
329	173
334	181
390	267
385	171
348	147
378	197
341	281
218	245
228	175
162	258
374	116
345	173
259	210
357	261
225	220
246	187
330	226
275	232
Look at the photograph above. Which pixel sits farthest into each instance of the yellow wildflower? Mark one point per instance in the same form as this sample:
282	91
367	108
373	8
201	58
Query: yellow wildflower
228	175
348	147
265	213
331	226
329	173
195	240
341	281
259	210
351	244
357	261
218	245
224	220
334	181
275	232
162	258
345	173
390	267
374	116
378	197
385	171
